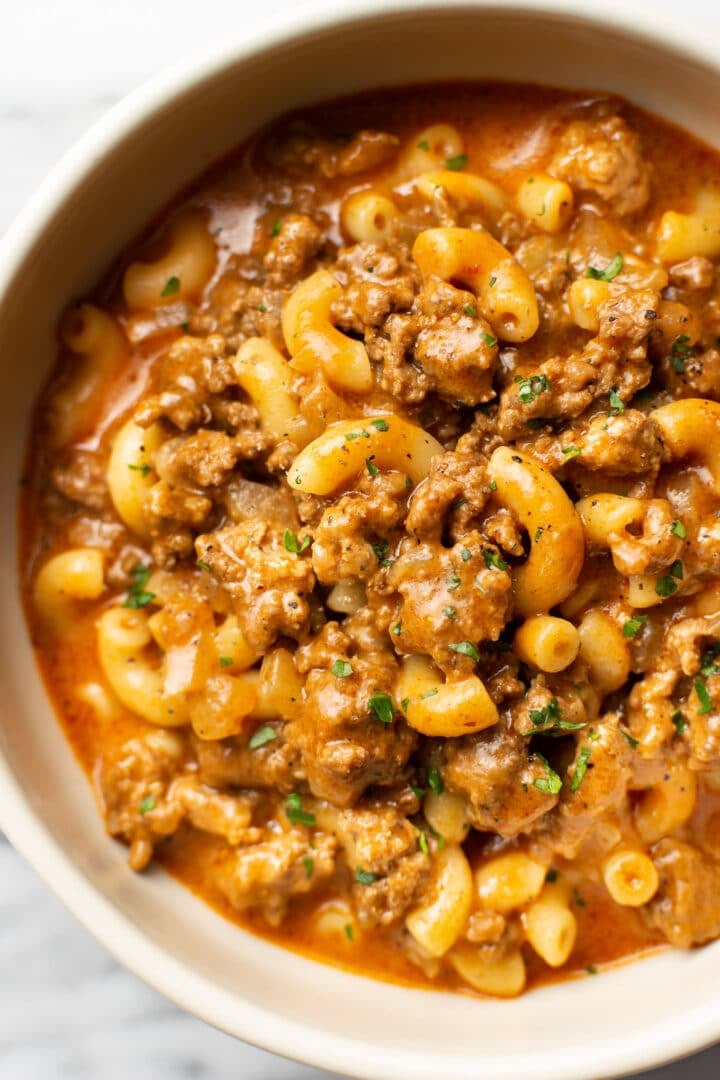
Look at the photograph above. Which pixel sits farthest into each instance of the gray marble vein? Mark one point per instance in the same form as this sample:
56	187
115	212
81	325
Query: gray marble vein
67	1010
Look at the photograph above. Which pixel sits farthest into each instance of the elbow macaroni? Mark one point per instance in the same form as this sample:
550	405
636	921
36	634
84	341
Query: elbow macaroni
546	202
181	273
130	472
438	921
437	708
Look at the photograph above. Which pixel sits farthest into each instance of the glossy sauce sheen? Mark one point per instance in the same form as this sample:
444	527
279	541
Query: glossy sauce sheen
507	130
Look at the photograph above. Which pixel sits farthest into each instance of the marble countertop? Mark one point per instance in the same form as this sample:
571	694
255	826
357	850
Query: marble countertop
66	1009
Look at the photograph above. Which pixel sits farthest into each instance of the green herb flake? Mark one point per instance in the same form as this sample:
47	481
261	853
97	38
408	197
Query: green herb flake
708	666
371	466
348	931
492	282
147	805
424	145
275	231
678	721
571	452
404	704
493	560
435	780
418	792
262	308
591	969
681	351
382	706
610	272
489	339
471	311
632	743
226	661
138	596
493	485
531	387
430	693
456	163
293	544
678	529
617	405
422	842
295	812
397	629
142	469
352	435
364	877
703	697
204	566
632	627
449	612
578	898
465	554
665	586
465	648
380	424
452	581
309	866
538	534
172	286
581	768
550	784
341	669
262	737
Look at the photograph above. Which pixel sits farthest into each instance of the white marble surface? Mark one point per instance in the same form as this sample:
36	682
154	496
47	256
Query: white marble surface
66	1009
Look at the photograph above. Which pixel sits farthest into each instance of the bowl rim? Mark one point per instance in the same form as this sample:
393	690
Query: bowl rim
131	947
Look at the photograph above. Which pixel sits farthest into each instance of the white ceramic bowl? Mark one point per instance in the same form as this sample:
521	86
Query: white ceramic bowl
99	195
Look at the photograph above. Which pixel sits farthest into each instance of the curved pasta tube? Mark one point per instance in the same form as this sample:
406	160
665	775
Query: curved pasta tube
99	341
368	216
347	597
446	709
540	505
76	574
509	881
604	651
680	236
630	877
550	926
279	687
223	706
502	976
122	636
691	428
333	460
467	190
478	262
667	805
431	148
264	375
437	922
584	297
448	814
130	474
312	340
546	202
547	643
181	273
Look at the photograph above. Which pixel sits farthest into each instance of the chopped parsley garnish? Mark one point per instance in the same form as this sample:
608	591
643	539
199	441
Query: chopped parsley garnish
678	721
538	534
138	596
204	566
404	704
667	585
489	339
548	721
397	629
226	661
275	231
435	780
571	452
549	713
633	743
610	272
578	898
465	554
708	666
309	866
703	697
147	804
262	308
381	551
341	669
449	612
382	705
591	969
471	311
465	648
617	405
348	931
262	737
295	812
532	387
380	425
550	784
422	841
424	145
581	768
371	466
172	286
456	163
142	469
429	693
352	435
364	877
293	544
678	529
492	281
452	581
681	351
492	559
633	626
418	792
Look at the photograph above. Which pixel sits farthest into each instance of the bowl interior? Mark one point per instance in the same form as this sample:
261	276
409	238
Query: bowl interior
99	197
